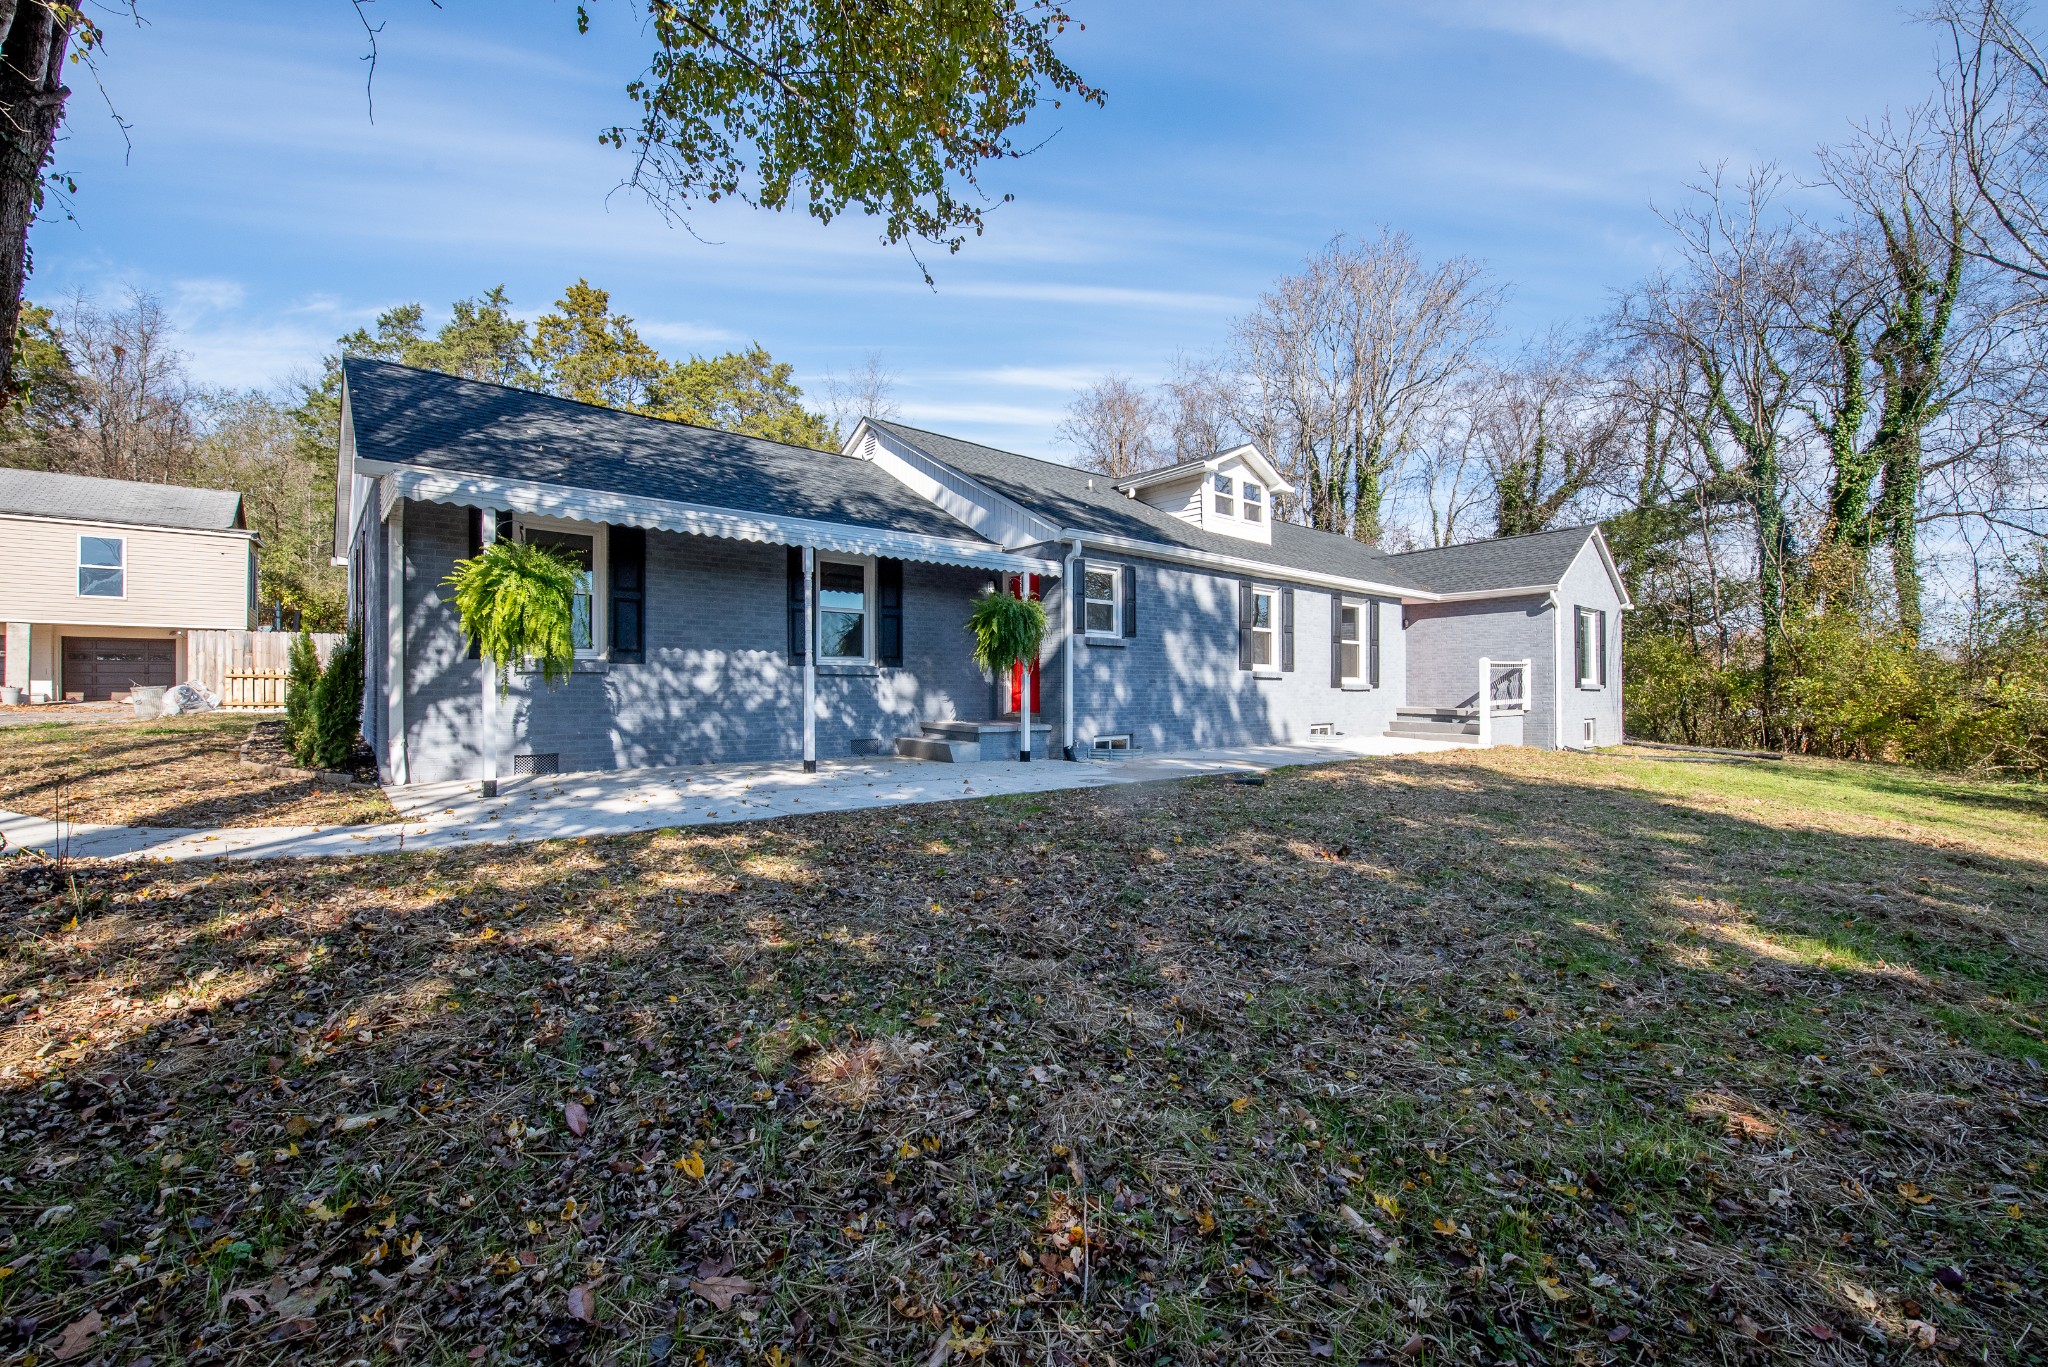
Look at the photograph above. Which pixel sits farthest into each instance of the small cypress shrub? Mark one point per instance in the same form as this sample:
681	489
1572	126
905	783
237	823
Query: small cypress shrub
337	706
301	681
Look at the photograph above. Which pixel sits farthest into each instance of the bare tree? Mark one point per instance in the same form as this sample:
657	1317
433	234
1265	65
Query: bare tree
134	399
1995	115
1194	410
1732	311
1111	424
1548	431
1343	364
868	391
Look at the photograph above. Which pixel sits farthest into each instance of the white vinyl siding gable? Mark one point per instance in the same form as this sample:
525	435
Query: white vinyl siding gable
170	579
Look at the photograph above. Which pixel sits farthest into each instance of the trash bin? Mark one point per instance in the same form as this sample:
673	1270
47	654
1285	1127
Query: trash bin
147	702
10	696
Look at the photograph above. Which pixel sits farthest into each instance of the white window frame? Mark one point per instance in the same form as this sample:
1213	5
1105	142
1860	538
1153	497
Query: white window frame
79	582
1271	665
1587	664
1116	599
1359	608
600	573
1251	501
867	569
1223	494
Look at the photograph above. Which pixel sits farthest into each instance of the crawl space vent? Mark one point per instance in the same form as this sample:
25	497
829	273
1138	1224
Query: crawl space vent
549	763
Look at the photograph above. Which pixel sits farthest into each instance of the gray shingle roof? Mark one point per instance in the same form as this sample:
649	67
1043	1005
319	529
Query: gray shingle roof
1540	558
1060	494
442	422
39	493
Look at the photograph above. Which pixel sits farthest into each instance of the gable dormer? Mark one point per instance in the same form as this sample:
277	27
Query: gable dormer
1231	493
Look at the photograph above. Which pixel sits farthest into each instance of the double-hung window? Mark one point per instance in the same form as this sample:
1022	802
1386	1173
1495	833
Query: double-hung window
1102	591
1254	502
843	616
101	572
583	550
1590	647
1351	642
1226	494
1265	628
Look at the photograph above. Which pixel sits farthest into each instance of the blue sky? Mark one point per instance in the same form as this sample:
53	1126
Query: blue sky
271	214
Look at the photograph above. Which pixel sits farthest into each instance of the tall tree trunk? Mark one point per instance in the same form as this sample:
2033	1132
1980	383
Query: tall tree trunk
32	95
1898	509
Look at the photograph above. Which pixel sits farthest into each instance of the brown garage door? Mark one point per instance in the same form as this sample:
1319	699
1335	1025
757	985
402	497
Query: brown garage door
100	668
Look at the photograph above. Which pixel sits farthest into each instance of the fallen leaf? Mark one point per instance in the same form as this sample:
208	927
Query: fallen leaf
721	1291
583	1302
575	1117
1822	1332
1553	1288
1352	1218
78	1335
691	1165
1241	1105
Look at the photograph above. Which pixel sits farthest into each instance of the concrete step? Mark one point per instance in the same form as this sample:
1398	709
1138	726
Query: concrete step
940	750
1459	733
1454	714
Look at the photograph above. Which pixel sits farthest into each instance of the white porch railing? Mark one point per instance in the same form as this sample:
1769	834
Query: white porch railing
1503	692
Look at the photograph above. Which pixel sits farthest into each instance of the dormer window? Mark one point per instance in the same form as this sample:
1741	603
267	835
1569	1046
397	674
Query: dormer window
1226	494
1254	502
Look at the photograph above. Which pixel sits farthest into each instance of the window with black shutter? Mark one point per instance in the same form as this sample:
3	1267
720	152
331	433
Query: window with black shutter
889	612
628	564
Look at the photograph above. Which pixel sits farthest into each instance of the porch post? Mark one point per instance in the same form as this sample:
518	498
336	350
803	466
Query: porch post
1068	587
394	644
1024	705
1485	702
810	665
488	533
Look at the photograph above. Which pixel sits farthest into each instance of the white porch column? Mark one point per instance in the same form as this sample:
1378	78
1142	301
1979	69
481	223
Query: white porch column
1485	702
810	664
1069	586
1024	703
394	644
489	739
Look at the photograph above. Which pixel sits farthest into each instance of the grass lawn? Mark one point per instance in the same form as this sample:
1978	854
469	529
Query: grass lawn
182	771
1488	1057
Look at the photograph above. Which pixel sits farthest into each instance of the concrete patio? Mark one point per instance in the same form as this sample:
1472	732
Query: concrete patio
552	807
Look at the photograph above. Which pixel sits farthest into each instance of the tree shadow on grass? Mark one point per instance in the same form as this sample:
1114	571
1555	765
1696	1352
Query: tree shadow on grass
1551	1059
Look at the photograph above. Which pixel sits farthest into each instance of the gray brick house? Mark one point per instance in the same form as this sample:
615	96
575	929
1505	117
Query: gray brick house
728	580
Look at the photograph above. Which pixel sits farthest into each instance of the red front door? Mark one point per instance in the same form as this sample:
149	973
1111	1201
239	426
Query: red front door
1017	585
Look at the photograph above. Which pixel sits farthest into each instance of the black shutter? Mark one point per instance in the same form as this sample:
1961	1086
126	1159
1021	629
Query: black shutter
1372	638
476	548
1601	619
1244	624
1287	629
1078	591
628	574
1336	640
796	605
1579	647
1130	600
889	612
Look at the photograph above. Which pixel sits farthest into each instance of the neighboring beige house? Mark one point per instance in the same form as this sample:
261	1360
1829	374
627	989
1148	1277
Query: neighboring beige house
100	580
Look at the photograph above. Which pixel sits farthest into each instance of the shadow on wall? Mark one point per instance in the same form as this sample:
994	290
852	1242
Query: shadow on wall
1176	685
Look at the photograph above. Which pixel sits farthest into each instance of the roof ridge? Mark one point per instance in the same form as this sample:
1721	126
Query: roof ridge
1496	540
109	479
894	425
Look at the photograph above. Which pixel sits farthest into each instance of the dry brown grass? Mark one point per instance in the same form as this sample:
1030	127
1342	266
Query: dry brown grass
1501	1057
183	771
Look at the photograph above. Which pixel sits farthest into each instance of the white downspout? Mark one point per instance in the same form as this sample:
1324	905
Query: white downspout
810	667
1024	697
394	643
1067	650
1556	672
487	523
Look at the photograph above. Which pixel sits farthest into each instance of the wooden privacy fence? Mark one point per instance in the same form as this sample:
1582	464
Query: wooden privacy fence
247	668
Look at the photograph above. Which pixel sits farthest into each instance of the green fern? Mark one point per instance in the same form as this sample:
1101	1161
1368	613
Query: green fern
1007	631
517	602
